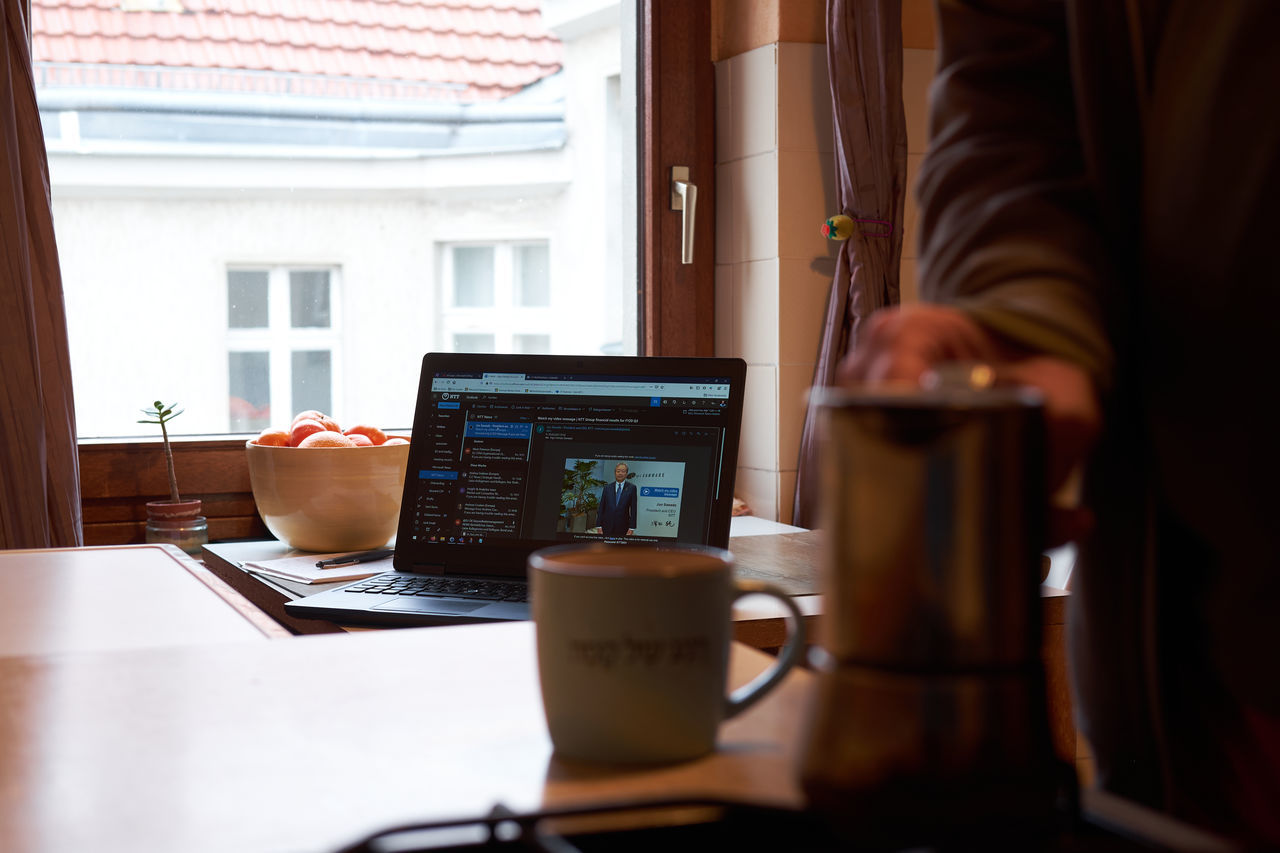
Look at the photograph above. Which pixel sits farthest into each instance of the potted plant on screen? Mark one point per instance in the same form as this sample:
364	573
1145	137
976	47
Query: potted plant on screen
578	494
175	521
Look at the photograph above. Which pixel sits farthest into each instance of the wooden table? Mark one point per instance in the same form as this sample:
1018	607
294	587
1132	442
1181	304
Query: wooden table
68	600
182	726
791	561
312	743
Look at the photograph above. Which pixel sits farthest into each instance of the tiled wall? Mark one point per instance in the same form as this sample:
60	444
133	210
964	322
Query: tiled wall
774	188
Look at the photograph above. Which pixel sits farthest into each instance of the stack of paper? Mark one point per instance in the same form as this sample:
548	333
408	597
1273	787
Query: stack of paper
303	569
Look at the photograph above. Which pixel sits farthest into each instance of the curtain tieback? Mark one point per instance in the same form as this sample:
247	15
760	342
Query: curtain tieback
840	227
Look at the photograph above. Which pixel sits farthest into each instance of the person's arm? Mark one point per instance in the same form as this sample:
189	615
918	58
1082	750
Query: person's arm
1009	232
631	508
1010	252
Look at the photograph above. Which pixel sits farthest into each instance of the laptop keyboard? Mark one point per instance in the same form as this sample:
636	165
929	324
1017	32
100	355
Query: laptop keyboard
394	583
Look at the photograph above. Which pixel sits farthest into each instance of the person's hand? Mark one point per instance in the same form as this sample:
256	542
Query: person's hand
900	345
904	345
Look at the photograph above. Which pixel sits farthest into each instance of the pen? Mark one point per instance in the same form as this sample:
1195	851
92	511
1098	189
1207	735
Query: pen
352	559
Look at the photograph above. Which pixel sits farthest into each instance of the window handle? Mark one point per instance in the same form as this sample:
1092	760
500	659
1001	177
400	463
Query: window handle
684	198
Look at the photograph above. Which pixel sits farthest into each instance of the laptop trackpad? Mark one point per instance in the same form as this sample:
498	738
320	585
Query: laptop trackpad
408	604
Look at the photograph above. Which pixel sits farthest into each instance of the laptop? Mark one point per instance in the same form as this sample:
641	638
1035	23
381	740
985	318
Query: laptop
511	453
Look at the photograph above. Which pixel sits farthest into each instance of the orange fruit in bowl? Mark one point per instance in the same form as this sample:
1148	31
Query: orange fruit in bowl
395	439
359	439
302	429
318	416
326	438
375	435
273	437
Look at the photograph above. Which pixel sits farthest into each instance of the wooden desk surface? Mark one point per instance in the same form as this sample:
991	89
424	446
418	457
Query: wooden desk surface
312	743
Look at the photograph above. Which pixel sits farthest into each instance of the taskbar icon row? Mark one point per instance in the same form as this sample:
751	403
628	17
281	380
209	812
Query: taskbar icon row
450	540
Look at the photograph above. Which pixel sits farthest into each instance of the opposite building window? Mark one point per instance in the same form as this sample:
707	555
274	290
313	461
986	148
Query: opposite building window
497	298
282	340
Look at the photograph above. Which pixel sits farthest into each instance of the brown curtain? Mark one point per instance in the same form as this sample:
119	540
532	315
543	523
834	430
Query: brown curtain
39	466
864	64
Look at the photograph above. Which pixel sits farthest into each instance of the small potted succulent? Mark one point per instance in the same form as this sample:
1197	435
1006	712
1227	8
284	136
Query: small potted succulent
176	521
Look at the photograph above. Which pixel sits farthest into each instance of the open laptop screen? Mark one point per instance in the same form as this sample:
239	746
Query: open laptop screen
511	453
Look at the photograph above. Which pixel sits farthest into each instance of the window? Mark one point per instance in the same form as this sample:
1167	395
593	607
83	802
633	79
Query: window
282	345
175	151
532	344
533	276
473	342
498	299
472	276
93	185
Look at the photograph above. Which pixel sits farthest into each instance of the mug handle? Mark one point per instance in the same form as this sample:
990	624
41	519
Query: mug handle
748	694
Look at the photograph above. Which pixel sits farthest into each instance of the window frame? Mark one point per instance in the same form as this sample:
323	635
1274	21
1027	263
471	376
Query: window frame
504	318
677	128
676	93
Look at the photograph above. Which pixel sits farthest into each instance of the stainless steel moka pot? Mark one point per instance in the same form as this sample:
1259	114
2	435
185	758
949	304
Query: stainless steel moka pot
930	715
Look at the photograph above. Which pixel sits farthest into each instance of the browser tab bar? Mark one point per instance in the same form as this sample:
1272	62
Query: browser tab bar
505	383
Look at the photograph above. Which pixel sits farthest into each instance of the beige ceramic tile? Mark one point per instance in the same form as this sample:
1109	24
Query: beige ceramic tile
910	210
724	112
909	281
725	311
806	197
756	206
804	98
756	316
728	176
759	488
917	74
793	400
802	304
786	496
758	447
754	87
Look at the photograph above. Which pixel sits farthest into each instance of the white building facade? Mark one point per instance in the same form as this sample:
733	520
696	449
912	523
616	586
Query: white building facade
251	256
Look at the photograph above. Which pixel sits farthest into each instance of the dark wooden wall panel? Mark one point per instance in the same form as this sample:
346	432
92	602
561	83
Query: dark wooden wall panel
118	478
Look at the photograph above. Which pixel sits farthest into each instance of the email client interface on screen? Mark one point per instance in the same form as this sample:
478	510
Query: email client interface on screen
516	456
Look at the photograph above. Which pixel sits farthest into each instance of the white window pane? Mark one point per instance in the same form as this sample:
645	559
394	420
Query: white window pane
473	276
247	299
533	276
472	342
312	380
163	184
249	404
532	344
309	299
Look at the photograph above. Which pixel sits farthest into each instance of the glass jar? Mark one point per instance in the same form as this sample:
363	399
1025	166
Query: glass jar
189	534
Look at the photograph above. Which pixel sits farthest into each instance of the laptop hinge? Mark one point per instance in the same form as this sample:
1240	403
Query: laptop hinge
427	569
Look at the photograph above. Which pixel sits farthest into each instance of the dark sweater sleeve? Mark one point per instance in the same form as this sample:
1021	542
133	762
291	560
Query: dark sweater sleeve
1008	226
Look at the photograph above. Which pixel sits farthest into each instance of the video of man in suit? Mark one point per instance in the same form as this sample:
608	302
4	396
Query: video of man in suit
616	499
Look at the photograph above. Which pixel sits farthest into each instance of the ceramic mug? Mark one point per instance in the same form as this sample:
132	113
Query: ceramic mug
633	648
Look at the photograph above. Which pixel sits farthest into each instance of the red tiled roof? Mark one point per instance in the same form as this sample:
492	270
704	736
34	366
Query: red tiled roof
466	50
